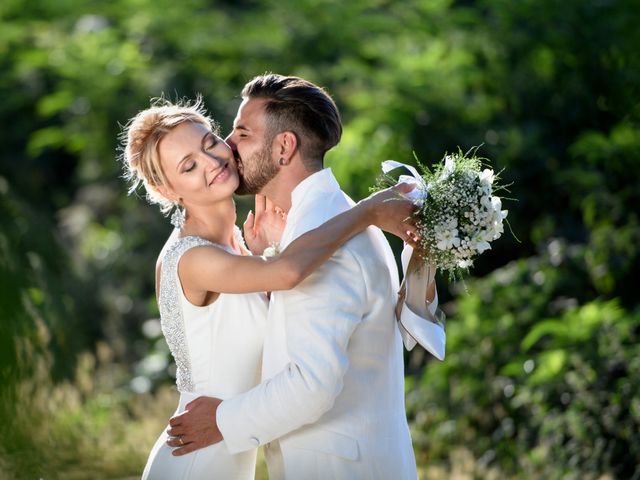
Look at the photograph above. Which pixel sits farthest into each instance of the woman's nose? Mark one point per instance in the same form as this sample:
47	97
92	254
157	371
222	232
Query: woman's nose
229	141
214	161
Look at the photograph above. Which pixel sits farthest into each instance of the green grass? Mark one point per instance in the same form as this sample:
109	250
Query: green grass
93	427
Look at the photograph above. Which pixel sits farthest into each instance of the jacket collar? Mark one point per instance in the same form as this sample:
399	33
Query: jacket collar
318	183
307	192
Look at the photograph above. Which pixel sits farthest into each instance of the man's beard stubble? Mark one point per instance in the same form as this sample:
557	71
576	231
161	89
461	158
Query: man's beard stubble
257	171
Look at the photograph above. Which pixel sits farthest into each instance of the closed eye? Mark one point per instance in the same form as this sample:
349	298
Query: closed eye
240	131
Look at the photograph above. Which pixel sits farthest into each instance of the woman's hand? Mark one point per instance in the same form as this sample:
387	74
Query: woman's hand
393	213
264	228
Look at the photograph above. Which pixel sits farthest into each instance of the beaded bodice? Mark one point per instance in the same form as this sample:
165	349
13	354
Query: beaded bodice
171	311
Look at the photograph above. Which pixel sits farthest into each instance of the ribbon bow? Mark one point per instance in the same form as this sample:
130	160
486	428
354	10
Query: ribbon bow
419	194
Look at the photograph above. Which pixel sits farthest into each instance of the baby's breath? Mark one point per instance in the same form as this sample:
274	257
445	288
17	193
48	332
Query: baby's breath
458	215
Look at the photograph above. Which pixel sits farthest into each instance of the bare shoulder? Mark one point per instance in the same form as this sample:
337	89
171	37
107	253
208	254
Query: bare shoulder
170	241
208	259
206	252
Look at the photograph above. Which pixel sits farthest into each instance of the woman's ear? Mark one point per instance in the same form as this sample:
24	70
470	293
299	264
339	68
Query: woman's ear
286	146
167	193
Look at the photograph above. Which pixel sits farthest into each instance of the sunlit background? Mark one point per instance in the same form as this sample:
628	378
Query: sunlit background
542	375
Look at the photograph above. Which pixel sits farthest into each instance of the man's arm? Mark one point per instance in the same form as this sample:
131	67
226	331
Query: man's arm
321	314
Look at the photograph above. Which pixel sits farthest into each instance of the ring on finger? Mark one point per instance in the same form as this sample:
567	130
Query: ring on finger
180	440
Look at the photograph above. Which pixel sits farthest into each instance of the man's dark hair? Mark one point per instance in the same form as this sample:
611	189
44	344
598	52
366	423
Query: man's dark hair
298	106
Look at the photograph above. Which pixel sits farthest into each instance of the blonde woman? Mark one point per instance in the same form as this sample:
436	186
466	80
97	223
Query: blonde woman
210	288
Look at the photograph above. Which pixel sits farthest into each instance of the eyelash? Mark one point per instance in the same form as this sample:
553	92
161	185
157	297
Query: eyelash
193	165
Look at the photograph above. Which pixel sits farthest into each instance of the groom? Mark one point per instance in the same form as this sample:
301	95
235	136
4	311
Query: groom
331	403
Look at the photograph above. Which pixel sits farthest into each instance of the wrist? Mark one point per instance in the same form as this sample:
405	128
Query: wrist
369	215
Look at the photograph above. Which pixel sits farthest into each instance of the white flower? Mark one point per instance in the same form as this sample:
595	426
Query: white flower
486	177
482	245
496	203
498	217
449	165
465	263
496	225
272	250
487	202
449	223
447	238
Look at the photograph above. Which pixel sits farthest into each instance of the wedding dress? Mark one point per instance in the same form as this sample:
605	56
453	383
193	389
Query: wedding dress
218	351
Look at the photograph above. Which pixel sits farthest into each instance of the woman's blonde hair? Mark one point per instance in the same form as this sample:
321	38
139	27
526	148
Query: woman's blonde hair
142	134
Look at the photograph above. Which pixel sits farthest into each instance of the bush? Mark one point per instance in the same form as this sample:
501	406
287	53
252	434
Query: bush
536	379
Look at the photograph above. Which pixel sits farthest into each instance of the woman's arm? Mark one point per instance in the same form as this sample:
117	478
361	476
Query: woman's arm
211	269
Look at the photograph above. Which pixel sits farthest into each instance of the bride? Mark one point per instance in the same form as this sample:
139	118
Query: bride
210	286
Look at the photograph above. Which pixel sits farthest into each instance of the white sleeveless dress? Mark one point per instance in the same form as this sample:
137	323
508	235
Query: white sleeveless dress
218	352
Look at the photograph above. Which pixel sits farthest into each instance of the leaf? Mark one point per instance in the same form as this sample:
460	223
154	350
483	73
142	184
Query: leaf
549	365
512	369
545	327
55	103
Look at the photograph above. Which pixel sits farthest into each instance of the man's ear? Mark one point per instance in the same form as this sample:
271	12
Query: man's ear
285	146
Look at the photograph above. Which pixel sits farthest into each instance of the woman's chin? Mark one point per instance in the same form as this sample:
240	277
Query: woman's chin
234	181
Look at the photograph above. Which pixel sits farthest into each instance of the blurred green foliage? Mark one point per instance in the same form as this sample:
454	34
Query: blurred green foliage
541	378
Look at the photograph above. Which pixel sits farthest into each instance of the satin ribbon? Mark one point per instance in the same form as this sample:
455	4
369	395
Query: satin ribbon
428	332
419	194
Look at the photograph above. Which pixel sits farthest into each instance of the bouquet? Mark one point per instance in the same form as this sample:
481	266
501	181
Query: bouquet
459	214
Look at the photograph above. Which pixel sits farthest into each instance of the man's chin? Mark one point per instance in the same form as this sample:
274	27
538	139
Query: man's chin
243	189
254	187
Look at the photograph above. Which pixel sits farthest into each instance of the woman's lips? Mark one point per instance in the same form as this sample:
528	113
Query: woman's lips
222	176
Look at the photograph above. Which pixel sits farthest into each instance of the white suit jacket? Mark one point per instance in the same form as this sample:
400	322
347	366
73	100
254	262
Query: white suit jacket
333	376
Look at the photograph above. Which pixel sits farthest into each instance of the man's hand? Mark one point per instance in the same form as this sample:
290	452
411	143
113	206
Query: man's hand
196	427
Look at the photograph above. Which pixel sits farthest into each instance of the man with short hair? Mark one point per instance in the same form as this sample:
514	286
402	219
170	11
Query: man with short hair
331	401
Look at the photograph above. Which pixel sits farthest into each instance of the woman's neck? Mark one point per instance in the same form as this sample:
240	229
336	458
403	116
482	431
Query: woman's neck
213	222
